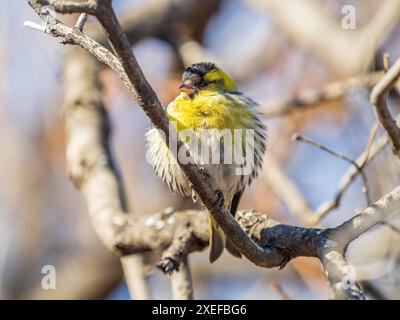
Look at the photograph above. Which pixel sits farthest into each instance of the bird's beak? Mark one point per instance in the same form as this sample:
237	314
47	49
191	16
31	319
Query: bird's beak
188	88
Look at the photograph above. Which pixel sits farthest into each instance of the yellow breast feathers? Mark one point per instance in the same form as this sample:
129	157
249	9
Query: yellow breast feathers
211	111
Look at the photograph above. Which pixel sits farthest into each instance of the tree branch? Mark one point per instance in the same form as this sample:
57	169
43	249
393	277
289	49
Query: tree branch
135	277
340	274
378	100
313	97
347	179
181	281
70	6
80	23
359	168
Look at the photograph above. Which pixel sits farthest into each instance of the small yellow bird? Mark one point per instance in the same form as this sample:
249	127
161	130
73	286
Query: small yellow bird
224	135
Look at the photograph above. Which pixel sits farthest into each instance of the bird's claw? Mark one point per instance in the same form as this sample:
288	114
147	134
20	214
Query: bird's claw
195	198
167	265
219	199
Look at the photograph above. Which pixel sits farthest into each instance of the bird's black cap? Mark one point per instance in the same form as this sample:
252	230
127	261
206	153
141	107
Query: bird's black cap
197	71
201	68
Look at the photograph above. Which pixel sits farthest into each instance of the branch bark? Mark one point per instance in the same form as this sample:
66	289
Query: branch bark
135	277
348	178
181	281
70	6
378	100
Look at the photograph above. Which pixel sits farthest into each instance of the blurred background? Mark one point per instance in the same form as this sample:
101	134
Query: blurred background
310	68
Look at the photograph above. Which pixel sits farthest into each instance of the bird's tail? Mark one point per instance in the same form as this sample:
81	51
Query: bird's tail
217	239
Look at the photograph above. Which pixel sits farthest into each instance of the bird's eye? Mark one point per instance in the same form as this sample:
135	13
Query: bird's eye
206	83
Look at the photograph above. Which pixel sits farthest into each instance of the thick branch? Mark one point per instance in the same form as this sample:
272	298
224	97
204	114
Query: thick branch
175	261
381	210
135	277
341	275
181	282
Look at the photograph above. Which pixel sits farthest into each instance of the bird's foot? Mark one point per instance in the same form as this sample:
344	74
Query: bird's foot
218	199
204	172
168	265
195	198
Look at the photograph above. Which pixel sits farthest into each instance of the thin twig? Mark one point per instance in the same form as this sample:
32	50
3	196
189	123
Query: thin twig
386	61
279	289
371	138
297	137
80	23
35	26
349	176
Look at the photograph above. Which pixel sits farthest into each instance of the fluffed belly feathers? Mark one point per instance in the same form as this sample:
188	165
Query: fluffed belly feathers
223	176
237	165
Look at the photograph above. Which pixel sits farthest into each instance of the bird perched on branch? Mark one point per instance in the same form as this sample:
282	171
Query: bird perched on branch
224	135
